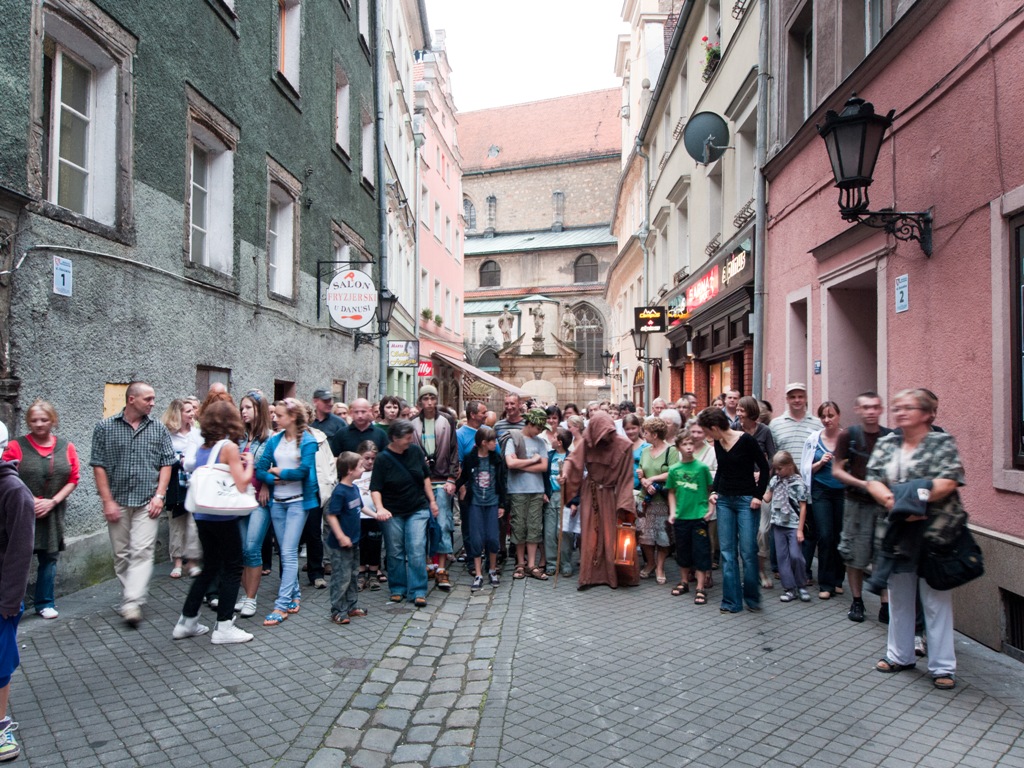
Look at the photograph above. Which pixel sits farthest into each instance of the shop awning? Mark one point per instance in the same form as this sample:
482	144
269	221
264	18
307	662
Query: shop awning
476	373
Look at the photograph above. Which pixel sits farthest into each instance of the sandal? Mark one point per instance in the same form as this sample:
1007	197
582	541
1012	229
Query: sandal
265	572
700	597
176	572
420	602
396	598
645	574
766	582
293	606
661	579
944	682
680	589
382	577
337	618
519	572
891	667
538	573
274	618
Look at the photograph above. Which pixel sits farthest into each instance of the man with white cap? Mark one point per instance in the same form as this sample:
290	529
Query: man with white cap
792	428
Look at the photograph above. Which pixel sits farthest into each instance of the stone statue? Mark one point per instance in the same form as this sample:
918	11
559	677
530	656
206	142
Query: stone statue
568	324
537	313
505	325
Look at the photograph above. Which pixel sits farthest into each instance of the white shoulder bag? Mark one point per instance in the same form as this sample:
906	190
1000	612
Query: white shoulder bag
212	490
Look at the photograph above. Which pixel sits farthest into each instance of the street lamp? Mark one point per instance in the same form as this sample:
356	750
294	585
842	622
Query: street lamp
853	139
385	307
640	345
607	357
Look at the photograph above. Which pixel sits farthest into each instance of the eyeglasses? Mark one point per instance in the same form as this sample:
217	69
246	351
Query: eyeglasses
903	408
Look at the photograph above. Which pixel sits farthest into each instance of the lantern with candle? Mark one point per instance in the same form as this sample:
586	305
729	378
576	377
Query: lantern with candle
625	544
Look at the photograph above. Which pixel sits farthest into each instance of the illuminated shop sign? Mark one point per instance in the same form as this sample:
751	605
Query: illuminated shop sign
726	275
649	319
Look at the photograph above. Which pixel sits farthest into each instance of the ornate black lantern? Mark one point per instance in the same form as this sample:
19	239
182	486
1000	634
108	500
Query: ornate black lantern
385	308
853	139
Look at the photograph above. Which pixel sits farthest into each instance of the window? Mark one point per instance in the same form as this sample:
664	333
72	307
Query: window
447	308
424	284
368	147
207	376
283	389
589	339
1017	296
437	297
342	112
212	138
584	270
448	234
456	315
289	33
469	213
715	201
282	230
490	275
492	213
558	210
425	207
363	14
86	144
339	389
437	220
800	69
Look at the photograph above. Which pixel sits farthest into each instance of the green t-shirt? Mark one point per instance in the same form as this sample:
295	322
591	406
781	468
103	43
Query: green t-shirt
692	484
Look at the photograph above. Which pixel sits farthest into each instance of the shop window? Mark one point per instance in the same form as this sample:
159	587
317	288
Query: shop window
1017	317
721	377
490	274
585	269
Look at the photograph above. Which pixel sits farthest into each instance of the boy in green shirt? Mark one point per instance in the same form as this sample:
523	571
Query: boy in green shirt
689	498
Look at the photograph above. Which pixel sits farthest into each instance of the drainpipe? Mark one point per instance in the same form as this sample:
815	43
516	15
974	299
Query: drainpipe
417	300
380	180
760	202
645	228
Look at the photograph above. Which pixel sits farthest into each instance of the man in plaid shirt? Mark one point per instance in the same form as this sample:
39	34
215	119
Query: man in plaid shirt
131	459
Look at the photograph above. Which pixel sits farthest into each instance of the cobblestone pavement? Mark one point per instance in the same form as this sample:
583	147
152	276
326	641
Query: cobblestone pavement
530	674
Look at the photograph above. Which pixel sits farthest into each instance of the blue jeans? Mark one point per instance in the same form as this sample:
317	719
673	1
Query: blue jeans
737	536
483	530
441	533
289	520
826	513
45	578
406	539
254	530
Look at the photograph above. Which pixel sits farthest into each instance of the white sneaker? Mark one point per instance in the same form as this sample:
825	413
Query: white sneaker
246	607
188	628
225	633
805	596
49	613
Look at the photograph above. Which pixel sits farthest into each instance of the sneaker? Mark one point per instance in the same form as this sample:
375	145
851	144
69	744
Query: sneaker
856	611
9	748
477	585
246	607
213	602
194	571
188	628
320	584
493	577
805	596
374	582
48	612
883	613
441	579
787	597
920	646
132	616
225	633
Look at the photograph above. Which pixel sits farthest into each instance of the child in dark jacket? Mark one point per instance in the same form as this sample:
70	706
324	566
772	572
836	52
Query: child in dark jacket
482	487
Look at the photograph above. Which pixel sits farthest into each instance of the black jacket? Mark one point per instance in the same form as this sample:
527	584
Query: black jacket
469	468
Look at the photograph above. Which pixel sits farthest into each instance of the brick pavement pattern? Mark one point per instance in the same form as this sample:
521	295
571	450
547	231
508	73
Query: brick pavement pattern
530	674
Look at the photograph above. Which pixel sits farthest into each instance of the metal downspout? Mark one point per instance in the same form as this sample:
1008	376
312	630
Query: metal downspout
645	228
380	180
760	202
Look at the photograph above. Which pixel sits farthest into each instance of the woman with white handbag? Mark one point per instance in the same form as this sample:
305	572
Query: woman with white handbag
220	492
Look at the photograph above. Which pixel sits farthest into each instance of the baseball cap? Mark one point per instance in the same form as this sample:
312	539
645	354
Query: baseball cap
537	416
793	386
322	394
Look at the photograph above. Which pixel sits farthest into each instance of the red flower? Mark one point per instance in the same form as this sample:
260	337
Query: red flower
704	39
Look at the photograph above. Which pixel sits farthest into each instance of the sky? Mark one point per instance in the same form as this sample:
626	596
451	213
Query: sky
511	51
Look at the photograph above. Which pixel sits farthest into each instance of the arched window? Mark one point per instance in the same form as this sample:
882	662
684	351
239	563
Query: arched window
488	360
584	270
490	274
469	212
589	339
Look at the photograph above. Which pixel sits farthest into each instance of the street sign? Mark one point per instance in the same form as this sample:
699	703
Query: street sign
903	293
403	354
62	276
352	298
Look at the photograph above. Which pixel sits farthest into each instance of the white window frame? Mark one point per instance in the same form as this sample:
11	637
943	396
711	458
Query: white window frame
343	112
363	14
212	132
289	40
448	233
84	33
368	147
437	220
284	192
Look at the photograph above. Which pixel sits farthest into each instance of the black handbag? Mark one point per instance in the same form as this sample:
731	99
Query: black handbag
951	566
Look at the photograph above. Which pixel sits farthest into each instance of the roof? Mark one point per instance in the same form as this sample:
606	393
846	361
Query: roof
489	307
539	240
564	128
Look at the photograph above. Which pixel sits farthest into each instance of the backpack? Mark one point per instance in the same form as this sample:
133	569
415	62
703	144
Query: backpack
326	466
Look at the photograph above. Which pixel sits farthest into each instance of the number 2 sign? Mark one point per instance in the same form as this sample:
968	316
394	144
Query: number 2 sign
902	293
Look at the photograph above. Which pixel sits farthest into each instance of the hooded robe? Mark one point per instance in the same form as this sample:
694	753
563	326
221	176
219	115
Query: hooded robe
606	499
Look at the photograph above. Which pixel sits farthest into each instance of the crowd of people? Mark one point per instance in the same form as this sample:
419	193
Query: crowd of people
373	493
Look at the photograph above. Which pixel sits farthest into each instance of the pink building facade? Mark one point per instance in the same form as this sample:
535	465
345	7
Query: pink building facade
834	318
441	233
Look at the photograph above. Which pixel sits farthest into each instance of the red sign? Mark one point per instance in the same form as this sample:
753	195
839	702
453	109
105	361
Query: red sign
703	290
426	368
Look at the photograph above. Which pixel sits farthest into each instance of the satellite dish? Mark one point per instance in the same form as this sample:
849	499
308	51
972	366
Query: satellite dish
706	137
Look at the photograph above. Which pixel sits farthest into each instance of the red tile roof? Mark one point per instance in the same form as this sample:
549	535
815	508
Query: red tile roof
563	128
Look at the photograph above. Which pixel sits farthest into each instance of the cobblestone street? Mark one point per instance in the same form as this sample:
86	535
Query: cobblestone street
529	674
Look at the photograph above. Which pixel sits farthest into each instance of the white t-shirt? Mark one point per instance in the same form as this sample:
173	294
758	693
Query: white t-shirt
287	456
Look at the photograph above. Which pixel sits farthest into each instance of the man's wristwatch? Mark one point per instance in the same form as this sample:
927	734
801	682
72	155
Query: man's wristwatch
160	496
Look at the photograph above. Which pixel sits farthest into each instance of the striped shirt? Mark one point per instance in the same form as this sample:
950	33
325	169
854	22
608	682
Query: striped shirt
131	457
790	434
